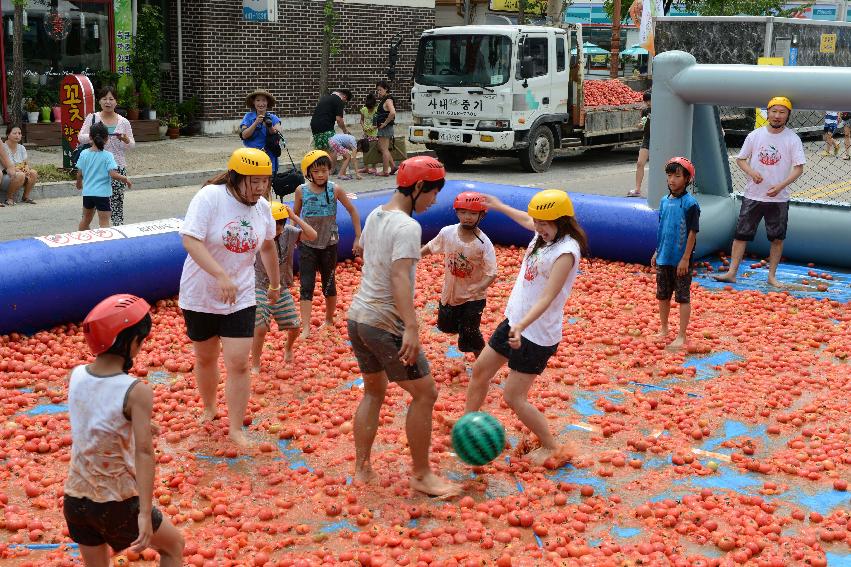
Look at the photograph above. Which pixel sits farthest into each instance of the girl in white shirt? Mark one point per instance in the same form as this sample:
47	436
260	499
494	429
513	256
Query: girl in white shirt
531	332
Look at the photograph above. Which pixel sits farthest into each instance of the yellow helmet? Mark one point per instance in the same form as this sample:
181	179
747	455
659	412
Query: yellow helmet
310	158
550	204
782	101
279	212
250	161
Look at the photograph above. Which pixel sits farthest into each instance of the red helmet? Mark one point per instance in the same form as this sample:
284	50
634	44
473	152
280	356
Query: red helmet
685	162
470	201
419	168
110	317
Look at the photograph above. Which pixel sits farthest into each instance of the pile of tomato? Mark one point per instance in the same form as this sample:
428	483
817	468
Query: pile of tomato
609	93
656	480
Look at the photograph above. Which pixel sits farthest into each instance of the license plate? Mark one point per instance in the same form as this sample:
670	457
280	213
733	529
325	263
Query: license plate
453	137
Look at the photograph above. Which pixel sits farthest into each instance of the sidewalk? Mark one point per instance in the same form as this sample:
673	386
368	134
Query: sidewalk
188	160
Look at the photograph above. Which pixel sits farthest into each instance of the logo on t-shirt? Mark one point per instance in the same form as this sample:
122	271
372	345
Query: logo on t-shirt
769	155
532	266
460	266
238	236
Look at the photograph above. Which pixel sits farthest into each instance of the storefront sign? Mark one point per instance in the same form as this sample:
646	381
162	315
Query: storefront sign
77	99
532	6
828	43
123	35
260	10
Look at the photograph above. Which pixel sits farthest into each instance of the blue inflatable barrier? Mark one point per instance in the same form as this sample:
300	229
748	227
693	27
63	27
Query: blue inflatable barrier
56	279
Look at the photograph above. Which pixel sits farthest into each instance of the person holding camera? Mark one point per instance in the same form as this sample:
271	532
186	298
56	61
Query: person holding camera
260	128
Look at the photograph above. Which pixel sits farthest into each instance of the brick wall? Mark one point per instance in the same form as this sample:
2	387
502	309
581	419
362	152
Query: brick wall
225	57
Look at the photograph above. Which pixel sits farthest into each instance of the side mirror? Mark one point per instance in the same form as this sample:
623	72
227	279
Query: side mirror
526	67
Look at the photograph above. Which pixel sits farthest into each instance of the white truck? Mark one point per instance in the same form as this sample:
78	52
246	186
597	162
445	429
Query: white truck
510	90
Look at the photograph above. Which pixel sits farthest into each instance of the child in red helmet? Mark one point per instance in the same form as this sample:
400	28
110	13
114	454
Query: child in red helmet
679	223
470	263
108	493
383	326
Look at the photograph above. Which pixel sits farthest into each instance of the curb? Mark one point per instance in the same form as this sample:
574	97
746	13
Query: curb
57	189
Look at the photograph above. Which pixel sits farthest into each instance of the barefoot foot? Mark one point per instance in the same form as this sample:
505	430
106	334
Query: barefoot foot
365	474
540	455
662	334
288	355
207	415
677	344
239	438
727	277
433	485
774	282
305	333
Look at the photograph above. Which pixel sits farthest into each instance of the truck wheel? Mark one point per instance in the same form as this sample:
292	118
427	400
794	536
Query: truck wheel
538	155
451	158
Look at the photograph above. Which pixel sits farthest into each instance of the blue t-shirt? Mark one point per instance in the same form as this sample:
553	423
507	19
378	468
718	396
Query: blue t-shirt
95	167
677	217
258	139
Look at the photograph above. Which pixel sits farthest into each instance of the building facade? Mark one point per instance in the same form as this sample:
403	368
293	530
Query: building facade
219	55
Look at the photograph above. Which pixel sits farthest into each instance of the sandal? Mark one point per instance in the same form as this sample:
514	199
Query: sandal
382	174
9	203
28	201
344	177
634	194
846	157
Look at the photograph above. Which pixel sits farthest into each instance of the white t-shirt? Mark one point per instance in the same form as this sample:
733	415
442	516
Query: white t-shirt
387	236
531	281
466	263
232	233
773	156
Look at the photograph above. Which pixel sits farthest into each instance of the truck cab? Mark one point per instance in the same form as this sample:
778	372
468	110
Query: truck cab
511	90
491	90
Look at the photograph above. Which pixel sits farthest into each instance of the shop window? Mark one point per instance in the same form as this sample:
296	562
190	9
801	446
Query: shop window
60	37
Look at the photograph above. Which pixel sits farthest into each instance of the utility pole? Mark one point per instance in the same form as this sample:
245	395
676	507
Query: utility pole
467	12
614	58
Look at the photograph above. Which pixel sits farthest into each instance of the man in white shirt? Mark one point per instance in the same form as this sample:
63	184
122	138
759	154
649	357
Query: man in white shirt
773	158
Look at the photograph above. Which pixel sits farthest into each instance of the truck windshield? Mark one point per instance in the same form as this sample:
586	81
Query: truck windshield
464	60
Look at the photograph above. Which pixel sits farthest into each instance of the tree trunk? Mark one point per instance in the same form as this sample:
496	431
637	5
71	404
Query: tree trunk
616	41
17	91
554	11
521	12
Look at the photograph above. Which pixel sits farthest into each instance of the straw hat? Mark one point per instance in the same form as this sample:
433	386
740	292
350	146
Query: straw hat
249	100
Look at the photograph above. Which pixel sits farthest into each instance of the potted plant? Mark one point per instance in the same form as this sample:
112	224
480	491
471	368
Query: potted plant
45	114
146	101
133	106
163	127
189	109
174	126
32	111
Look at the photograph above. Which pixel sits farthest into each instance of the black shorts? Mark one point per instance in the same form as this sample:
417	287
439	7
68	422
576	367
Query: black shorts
99	203
309	261
237	325
645	143
668	284
465	320
530	358
96	523
377	350
776	215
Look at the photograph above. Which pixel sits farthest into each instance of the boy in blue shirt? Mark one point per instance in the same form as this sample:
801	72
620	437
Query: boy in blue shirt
679	223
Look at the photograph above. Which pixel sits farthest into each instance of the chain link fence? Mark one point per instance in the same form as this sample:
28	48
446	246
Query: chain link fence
827	174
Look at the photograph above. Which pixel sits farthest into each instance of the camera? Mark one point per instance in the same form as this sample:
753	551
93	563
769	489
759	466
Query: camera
267	121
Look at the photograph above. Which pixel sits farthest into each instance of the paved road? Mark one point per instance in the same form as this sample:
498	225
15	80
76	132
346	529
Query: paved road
606	173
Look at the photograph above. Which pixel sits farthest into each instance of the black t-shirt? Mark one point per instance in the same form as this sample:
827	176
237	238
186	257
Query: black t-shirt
646	114
326	112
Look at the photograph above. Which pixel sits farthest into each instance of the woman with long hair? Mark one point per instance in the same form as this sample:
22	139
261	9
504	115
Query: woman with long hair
120	138
227	223
531	331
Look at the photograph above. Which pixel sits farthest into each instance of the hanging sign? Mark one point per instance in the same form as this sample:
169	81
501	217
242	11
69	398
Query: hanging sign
123	24
762	113
828	43
77	100
260	10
